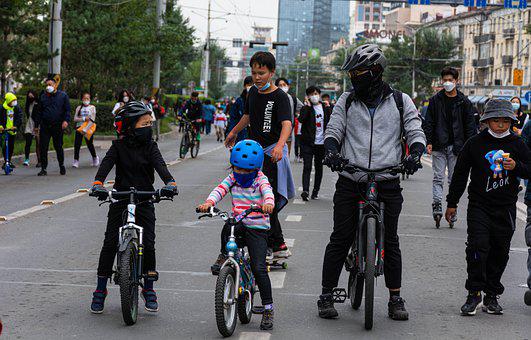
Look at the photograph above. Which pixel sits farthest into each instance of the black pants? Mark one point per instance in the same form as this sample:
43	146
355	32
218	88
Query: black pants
490	230
51	131
311	154
27	147
298	145
256	242
275	237
346	200
10	145
77	145
145	217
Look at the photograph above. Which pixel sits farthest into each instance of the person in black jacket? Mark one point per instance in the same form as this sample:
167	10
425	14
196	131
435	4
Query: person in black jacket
10	118
136	157
314	118
493	160
193	110
448	125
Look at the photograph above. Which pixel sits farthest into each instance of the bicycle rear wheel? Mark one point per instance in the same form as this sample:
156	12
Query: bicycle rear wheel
355	289
127	282
225	303
194	150
370	267
183	149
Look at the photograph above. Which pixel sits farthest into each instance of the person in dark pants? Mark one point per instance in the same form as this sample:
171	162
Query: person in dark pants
10	118
493	161
526	137
52	119
84	113
193	110
236	110
29	130
314	118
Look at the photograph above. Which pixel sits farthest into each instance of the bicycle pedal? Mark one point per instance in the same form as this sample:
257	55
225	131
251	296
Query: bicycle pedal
152	275
339	295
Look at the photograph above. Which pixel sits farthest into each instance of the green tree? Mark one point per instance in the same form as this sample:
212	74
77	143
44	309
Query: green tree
306	72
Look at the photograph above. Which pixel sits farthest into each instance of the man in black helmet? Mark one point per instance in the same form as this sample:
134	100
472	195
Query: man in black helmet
366	128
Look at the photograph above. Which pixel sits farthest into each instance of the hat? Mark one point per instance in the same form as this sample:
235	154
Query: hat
498	108
9	97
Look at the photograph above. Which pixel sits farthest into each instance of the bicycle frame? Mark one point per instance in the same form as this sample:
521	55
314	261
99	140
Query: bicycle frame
131	231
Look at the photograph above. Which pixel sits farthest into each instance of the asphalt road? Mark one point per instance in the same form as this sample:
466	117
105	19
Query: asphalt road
48	260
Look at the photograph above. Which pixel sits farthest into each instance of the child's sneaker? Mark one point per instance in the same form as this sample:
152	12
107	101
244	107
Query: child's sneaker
216	267
281	251
267	319
98	301
150	298
527	297
26	162
95	161
491	306
472	303
75	163
326	308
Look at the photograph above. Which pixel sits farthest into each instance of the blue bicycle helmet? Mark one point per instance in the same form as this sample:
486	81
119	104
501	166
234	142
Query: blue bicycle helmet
247	154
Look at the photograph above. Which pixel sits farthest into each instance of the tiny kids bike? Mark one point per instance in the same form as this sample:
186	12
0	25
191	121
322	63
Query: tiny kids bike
235	285
129	259
8	167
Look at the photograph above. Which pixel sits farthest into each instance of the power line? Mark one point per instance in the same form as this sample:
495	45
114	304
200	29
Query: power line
108	3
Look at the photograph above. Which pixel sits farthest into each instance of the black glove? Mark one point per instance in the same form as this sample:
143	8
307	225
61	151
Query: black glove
412	163
100	192
335	161
169	190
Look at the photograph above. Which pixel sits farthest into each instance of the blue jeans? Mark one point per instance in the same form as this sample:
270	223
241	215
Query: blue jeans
208	126
442	160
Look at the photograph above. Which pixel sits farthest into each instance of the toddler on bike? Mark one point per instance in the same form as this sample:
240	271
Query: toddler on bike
136	157
248	185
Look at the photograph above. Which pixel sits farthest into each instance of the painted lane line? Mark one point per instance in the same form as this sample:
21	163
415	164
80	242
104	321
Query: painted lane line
300	188
93	271
293	218
519	250
298	201
290	242
254	336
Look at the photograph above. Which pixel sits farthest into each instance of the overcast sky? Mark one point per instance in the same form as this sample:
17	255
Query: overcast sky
238	24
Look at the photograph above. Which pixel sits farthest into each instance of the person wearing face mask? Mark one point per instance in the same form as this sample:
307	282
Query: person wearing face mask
31	108
51	120
193	110
10	118
492	160
123	98
314	118
521	116
236	110
295	104
136	158
84	112
366	129
449	123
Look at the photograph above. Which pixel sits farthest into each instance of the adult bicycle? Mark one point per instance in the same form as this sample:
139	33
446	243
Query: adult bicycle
189	140
235	285
365	260
129	259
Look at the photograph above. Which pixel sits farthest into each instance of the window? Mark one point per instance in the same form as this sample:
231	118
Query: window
367	16
375	27
360	13
366	26
376	16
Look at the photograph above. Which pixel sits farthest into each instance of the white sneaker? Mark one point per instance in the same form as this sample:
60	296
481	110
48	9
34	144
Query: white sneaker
75	163
26	162
95	161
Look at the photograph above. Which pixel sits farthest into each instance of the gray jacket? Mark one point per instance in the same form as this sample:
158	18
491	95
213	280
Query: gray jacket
374	142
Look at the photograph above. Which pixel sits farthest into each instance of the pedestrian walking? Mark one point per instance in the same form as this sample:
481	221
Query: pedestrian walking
237	109
52	120
268	114
314	117
294	103
123	97
526	137
84	113
449	124
159	112
209	111
493	161
297	131
10	123
30	110
220	124
521	116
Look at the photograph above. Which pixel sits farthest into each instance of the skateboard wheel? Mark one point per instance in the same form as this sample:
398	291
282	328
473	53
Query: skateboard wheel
285	265
268	268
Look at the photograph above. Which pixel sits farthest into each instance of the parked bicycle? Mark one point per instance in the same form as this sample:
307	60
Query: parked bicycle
129	259
365	260
235	285
189	140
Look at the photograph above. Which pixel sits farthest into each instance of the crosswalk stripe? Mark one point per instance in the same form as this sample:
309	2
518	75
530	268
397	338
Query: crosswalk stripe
254	336
293	218
298	201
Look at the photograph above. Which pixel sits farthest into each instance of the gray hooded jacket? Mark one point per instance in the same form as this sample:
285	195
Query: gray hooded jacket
374	142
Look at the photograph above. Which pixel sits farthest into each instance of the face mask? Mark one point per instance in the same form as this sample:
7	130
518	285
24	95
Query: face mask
247	88
499	135
126	99
285	88
86	102
50	89
143	135
263	88
13	103
516	106
362	84
30	99
449	86
314	99
245	180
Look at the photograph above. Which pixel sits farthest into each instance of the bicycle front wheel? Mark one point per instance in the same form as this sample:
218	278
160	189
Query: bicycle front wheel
183	149
370	268
225	301
194	150
127	280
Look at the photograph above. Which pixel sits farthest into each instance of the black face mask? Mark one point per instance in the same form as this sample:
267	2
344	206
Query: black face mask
143	135
367	86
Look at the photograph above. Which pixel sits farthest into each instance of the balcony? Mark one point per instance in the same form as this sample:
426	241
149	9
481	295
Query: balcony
483	63
507	59
508	33
480	39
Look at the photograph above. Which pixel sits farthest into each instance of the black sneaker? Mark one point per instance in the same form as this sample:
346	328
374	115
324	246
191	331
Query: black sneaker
215	268
491	306
396	308
305	196
62	170
42	173
150	298
473	300
267	319
527	297
98	301
315	195
325	304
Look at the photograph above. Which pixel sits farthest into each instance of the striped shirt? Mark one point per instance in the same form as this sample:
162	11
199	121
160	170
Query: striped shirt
260	193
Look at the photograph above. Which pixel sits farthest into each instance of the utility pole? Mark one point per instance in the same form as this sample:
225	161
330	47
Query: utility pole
206	72
297	87
413	61
161	9
55	40
307	70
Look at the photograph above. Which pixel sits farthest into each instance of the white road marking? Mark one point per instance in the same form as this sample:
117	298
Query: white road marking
519	250
290	242
254	336
523	285
300	188
293	218
277	279
93	271
298	201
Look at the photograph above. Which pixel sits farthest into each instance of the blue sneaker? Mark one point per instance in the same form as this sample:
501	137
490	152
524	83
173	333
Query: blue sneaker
150	298
98	301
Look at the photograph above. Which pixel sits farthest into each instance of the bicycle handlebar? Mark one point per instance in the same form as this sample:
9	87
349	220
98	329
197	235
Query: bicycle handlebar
213	211
114	196
393	170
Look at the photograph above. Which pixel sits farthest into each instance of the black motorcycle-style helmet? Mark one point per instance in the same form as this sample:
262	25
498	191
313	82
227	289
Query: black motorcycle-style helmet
365	57
126	116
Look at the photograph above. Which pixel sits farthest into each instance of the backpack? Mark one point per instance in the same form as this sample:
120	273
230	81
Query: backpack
399	101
